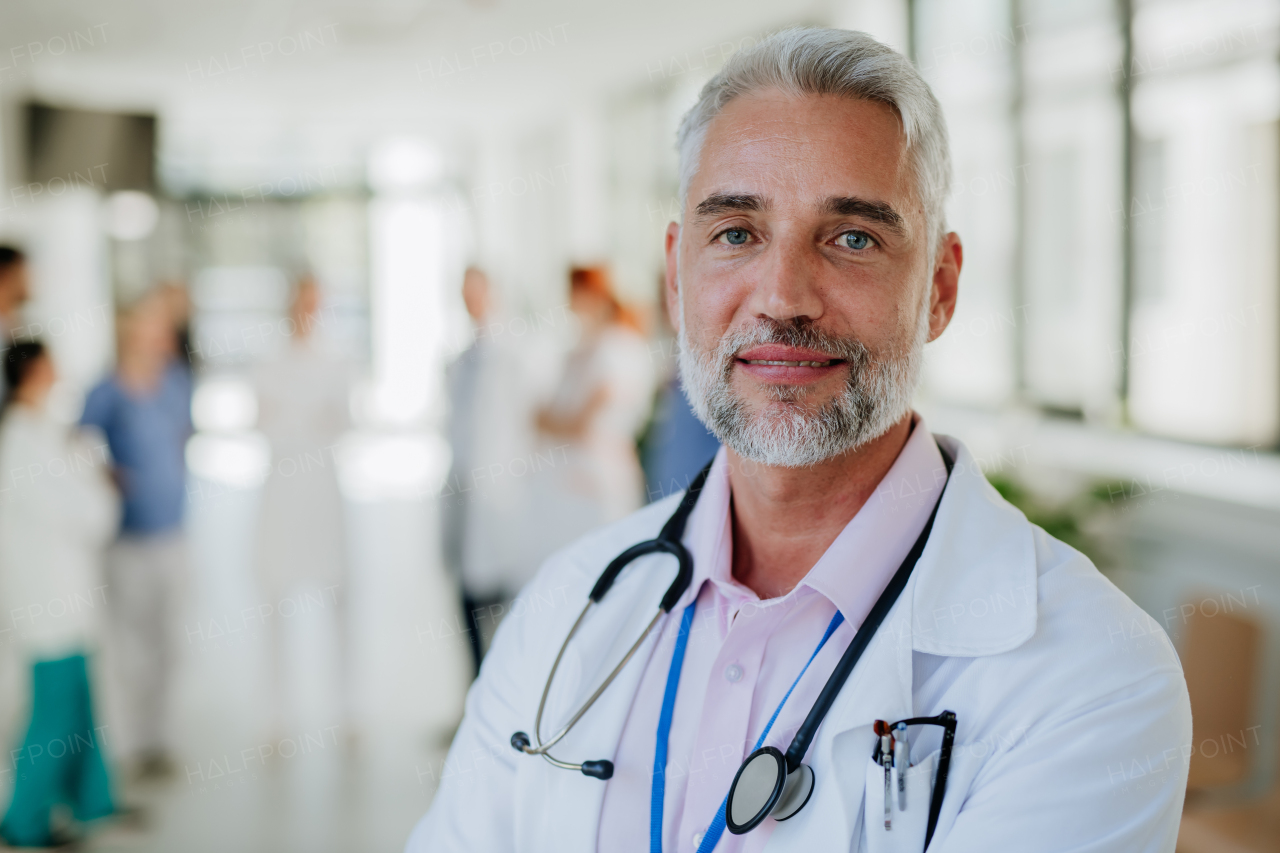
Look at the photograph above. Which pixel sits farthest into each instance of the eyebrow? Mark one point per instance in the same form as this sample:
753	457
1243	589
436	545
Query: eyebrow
879	212
718	203
876	211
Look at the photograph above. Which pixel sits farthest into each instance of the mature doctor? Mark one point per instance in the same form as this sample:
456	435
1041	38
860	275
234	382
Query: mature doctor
811	266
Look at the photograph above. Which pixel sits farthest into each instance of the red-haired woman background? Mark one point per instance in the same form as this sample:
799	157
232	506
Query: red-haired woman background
601	404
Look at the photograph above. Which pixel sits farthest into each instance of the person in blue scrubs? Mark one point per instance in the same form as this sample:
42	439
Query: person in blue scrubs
144	411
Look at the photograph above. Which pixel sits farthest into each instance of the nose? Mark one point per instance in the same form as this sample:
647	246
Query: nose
786	285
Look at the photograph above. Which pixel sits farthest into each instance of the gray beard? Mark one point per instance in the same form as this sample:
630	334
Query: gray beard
785	432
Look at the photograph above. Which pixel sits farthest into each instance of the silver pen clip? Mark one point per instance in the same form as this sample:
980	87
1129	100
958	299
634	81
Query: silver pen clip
886	761
901	761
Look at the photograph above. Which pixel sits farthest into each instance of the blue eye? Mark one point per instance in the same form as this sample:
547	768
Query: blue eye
855	240
735	236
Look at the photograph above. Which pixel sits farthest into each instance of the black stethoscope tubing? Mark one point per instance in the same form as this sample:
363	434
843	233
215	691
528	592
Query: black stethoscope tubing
668	542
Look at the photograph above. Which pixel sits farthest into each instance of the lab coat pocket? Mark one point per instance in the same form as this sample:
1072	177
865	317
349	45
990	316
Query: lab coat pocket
905	833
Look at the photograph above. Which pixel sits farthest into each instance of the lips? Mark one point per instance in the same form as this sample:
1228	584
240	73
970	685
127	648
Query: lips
790	363
784	356
776	363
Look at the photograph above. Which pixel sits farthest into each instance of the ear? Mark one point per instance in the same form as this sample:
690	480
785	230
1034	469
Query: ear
946	284
672	289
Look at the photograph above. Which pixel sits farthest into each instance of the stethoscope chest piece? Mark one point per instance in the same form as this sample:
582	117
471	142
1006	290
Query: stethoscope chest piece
764	788
795	793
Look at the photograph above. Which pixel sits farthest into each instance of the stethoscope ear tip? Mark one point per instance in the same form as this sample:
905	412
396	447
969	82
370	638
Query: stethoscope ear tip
520	742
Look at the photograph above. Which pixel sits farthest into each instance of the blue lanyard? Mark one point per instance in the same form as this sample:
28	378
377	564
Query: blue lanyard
712	836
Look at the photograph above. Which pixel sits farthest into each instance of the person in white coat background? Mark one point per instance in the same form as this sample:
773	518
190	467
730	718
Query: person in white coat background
58	510
811	266
486	496
303	410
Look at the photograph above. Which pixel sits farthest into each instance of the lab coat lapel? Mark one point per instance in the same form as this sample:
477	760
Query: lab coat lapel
976	591
574	801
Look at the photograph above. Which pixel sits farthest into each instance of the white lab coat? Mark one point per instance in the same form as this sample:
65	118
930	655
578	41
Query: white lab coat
486	503
1074	723
57	512
303	410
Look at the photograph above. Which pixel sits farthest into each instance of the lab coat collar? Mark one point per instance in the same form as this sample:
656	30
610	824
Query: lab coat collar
973	592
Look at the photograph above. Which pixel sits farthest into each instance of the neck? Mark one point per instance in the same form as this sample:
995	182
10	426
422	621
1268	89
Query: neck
140	373
784	519
31	401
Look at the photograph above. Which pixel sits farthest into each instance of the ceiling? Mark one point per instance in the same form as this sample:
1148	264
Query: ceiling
248	89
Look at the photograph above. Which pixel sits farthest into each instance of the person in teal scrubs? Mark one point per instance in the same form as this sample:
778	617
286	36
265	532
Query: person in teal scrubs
57	511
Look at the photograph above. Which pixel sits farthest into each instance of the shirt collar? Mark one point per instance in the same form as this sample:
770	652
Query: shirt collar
857	566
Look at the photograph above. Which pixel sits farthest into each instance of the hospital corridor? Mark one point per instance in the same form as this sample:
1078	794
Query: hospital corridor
321	781
480	425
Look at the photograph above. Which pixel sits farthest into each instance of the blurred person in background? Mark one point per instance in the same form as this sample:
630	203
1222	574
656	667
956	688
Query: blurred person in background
303	409
591	424
482	505
144	411
57	513
14	291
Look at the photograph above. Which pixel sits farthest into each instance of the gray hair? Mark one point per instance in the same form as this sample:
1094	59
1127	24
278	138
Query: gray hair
817	61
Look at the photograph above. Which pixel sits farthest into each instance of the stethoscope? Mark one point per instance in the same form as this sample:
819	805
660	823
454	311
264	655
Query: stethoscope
769	783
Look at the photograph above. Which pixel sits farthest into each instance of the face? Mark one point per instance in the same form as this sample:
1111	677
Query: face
14	286
306	301
475	294
39	379
589	306
801	280
147	331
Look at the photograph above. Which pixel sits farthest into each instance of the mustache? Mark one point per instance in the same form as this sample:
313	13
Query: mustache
797	332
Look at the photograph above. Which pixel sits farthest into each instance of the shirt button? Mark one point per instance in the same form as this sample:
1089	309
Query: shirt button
697	840
733	673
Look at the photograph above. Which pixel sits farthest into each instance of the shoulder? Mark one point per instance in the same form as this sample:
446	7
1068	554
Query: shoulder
16	430
1018	630
1092	622
1094	655
104	392
99	403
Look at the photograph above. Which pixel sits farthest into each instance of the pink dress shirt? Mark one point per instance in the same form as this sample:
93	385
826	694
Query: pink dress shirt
743	654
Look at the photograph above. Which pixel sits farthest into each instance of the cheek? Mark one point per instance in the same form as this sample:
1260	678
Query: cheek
881	317
710	309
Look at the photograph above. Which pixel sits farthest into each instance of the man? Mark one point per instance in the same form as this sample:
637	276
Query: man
14	292
811	266
490	416
144	411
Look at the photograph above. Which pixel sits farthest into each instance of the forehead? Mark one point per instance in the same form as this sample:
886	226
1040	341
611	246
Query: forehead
802	149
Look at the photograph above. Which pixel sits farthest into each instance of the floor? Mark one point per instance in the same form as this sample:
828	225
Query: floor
324	780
